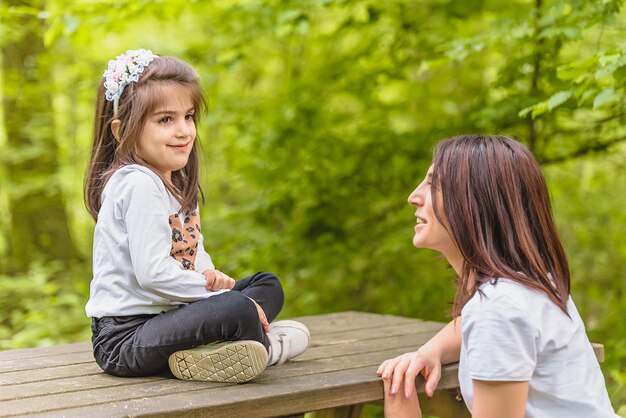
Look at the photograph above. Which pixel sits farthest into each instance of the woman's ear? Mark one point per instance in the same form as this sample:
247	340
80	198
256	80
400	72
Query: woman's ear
115	129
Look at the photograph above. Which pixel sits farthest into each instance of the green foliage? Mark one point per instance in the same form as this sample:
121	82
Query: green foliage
43	306
322	117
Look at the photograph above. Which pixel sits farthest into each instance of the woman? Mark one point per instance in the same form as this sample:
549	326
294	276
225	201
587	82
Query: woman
518	337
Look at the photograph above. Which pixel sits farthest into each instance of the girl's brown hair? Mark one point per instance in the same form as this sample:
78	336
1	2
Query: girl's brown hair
137	102
495	204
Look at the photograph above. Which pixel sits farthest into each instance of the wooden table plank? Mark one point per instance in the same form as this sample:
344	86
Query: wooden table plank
37	363
50	373
71	384
340	337
25	353
283	397
351	320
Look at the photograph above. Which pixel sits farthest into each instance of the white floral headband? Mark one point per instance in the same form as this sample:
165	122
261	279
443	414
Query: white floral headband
125	69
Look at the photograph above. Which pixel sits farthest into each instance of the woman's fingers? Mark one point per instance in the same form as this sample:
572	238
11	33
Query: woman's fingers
433	380
416	365
382	366
398	374
386	369
402	371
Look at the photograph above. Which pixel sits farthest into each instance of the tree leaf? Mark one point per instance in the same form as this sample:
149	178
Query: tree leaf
570	72
558	99
603	97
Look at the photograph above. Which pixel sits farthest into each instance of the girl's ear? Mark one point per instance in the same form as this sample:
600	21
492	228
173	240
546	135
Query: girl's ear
115	129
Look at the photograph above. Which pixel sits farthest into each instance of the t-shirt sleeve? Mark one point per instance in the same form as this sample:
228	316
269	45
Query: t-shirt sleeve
203	259
500	339
144	210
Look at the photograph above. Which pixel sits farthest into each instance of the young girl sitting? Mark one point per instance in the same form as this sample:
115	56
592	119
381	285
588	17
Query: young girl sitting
520	342
156	297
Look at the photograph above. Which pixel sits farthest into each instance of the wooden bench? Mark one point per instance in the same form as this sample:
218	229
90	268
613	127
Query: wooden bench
335	376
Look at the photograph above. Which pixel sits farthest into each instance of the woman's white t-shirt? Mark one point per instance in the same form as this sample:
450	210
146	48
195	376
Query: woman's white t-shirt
514	333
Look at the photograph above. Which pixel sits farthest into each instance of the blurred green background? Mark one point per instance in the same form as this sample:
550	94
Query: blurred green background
323	114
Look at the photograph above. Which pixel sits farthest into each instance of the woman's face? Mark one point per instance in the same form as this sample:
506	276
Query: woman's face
429	232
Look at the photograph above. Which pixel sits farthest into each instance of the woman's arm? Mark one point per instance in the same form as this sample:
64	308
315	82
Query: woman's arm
447	342
494	399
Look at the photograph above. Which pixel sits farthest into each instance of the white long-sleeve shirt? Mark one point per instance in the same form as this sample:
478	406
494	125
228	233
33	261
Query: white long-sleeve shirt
147	256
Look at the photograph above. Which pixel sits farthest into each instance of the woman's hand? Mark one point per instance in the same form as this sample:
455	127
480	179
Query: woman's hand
216	280
399	373
399	376
402	371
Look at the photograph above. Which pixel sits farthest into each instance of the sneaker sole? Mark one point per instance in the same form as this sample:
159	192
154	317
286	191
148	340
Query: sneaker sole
227	362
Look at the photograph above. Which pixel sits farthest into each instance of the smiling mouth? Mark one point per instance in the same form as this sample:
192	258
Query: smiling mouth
180	146
421	221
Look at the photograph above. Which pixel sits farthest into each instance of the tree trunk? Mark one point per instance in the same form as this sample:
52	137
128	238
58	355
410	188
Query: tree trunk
38	223
534	83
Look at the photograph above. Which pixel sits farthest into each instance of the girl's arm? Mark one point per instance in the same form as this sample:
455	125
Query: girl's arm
493	399
144	208
443	348
203	259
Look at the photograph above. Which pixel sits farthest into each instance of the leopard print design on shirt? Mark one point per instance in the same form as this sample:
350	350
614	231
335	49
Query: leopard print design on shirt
185	239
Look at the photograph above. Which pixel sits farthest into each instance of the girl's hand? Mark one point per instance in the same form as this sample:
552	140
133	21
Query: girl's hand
264	322
397	406
402	371
216	280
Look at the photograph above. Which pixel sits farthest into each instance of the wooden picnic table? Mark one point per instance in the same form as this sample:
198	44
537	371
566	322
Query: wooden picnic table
337	374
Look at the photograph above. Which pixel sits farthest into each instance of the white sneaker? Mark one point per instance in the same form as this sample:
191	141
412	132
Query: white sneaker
228	361
288	339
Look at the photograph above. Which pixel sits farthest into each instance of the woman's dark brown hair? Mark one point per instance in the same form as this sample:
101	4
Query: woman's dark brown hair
137	102
496	206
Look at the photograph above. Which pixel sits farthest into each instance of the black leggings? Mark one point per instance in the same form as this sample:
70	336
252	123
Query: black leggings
139	345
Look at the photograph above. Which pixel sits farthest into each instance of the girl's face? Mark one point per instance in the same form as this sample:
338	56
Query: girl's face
429	232
169	132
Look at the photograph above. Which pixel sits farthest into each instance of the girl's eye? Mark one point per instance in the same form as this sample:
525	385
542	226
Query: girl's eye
190	116
166	119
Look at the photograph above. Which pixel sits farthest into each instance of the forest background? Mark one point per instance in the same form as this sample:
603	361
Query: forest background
322	117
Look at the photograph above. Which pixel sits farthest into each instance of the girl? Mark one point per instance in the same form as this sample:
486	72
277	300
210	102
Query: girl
520	342
156	297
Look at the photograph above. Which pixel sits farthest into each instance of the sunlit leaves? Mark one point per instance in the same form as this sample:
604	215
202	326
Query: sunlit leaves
554	101
603	97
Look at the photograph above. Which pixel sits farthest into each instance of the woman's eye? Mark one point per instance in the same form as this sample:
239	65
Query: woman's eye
166	119
191	116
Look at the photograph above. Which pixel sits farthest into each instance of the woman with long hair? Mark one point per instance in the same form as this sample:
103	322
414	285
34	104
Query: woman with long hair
518	337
